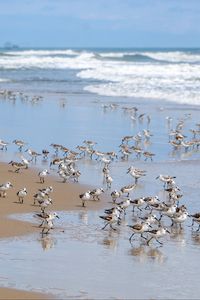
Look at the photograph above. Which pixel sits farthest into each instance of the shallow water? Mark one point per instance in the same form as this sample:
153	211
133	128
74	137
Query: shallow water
79	260
48	121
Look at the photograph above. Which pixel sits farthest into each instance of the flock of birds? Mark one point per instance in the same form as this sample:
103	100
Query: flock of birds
150	212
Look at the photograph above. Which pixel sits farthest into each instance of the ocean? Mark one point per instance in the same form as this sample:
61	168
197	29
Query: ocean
158	74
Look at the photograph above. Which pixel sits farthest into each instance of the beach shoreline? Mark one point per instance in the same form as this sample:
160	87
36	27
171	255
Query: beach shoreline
65	197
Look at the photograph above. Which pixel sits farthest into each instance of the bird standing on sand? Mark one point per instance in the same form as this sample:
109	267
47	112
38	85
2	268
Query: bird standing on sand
4	187
42	175
21	195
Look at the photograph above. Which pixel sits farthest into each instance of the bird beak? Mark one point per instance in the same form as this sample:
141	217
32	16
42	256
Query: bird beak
58	217
168	231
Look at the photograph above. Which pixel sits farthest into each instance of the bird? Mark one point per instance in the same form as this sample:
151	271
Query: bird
195	218
4	187
127	189
33	154
115	195
46	216
111	219
22	194
96	193
109	181
179	218
17	165
42	175
157	233
84	197
139	228
45	154
3	145
165	179
137	203
48	225
20	144
44	203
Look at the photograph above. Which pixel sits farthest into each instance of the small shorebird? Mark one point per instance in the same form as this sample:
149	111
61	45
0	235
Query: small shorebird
137	203
148	155
84	197
56	147
179	218
124	205
33	154
46	216
195	218
42	175
115	195
96	193
17	165
21	195
45	154
156	234
90	144
109	181
47	190
139	228
127	189
165	179
111	219
48	225
4	187
20	144
3	145
44	203
136	173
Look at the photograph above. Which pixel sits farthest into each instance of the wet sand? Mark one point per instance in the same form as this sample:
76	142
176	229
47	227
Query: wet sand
65	197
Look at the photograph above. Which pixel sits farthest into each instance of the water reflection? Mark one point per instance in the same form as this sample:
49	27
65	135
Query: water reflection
178	235
144	253
47	242
195	236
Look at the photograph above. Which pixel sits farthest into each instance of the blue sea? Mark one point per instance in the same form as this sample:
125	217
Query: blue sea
159	74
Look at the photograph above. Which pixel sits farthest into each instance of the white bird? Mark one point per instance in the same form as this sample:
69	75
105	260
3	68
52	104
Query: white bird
109	181
139	228
156	234
42	175
22	194
84	197
111	219
4	187
115	194
48	225
46	216
96	193
127	189
45	203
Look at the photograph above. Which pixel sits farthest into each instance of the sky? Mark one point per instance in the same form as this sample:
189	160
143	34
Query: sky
100	23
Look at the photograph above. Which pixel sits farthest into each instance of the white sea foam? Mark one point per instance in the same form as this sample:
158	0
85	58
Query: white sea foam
43	52
172	75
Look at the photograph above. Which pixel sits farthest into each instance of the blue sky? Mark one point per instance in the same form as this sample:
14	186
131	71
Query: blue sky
100	23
